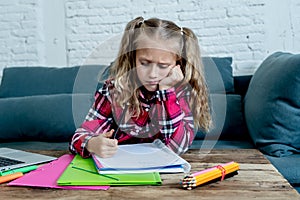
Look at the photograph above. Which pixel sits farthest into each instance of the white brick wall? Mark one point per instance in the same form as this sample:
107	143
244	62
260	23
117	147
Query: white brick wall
73	32
18	33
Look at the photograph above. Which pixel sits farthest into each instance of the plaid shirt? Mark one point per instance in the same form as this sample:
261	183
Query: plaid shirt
166	116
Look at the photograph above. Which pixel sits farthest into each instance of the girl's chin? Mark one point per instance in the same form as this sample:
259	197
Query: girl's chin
151	88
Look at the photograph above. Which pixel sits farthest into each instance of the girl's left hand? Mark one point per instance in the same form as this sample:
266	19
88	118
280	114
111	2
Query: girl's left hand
175	76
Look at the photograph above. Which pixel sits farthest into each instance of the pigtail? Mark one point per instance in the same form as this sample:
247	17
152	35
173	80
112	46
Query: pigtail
126	49
194	75
125	90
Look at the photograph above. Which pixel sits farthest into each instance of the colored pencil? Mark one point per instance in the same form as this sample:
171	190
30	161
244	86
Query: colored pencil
10	177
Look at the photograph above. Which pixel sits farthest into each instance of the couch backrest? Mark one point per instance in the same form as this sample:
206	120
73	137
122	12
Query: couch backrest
31	81
38	84
46	103
218	73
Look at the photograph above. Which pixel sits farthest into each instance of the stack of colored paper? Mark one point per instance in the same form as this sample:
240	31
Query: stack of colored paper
82	171
77	173
47	175
221	171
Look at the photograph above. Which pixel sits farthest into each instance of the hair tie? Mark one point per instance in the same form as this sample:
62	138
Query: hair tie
141	22
181	30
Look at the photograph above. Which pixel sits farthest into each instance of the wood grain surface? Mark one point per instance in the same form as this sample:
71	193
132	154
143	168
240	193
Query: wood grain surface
256	179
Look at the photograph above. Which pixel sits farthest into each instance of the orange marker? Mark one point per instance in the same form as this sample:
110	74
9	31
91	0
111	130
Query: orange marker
10	177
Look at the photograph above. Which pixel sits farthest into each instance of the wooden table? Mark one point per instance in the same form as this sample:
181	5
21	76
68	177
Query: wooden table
257	179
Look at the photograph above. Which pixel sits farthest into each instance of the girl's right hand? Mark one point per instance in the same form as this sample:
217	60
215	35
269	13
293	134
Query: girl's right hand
102	145
175	76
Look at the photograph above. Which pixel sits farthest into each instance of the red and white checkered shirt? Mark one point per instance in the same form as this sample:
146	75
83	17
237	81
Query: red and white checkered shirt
166	116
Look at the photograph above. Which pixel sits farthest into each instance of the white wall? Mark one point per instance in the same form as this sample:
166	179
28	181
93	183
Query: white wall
73	32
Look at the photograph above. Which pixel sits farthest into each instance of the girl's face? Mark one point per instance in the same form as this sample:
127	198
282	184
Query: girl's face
152	65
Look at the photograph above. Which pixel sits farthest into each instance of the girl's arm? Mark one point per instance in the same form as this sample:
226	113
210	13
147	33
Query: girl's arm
97	121
176	119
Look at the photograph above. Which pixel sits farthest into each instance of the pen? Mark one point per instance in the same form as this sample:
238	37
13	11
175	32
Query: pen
121	120
22	169
10	177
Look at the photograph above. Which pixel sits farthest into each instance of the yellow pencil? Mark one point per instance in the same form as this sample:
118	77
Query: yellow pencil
216	173
204	176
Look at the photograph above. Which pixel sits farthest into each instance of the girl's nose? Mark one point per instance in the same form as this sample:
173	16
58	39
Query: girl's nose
153	71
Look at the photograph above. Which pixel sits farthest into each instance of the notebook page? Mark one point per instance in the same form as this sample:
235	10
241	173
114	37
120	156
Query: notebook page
143	156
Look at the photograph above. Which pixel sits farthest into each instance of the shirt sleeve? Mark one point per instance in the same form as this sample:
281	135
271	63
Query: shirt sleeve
176	119
97	121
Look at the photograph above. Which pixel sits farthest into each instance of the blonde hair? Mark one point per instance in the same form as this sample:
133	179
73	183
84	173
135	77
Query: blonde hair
127	89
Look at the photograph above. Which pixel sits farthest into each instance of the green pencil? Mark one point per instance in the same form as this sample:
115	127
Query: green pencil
22	169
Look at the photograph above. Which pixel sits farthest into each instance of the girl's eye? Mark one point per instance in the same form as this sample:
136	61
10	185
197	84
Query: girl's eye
163	66
144	63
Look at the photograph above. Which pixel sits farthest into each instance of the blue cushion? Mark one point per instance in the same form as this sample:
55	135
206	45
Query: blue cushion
221	144
218	72
297	187
29	81
272	105
36	145
288	166
42	118
228	119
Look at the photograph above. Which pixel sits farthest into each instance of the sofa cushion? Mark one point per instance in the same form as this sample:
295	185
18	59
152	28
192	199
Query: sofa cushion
218	71
43	117
272	105
228	119
241	84
29	81
36	145
288	166
221	144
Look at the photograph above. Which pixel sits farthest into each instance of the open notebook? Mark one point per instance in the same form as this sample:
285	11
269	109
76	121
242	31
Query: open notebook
141	158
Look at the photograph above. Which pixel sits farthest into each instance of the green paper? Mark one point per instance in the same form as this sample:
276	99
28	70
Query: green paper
82	171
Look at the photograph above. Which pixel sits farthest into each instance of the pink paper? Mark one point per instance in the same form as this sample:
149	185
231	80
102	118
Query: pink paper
47	175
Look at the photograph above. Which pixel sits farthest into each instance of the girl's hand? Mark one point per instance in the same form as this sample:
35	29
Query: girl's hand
175	76
102	145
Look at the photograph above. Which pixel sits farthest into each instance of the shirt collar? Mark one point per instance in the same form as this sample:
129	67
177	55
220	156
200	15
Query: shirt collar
144	91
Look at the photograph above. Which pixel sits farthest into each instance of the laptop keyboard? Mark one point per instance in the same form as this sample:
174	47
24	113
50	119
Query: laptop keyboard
7	162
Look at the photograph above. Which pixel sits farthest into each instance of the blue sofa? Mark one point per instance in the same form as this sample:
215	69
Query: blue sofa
42	106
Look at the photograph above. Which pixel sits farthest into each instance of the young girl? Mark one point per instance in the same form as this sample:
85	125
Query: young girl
156	90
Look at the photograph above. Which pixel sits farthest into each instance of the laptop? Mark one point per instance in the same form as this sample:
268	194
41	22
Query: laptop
13	158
